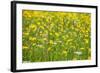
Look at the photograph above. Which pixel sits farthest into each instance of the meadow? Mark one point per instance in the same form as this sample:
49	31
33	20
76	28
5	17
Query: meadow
55	36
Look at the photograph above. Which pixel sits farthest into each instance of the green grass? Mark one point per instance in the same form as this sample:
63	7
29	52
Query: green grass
55	36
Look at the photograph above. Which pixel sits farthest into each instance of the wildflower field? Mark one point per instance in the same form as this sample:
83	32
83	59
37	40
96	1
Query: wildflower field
55	36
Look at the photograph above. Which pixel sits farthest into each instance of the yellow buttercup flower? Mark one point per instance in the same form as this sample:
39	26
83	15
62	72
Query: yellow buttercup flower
51	42
89	49
26	33
86	35
25	47
33	27
69	40
64	52
82	48
86	41
52	24
57	34
41	27
49	49
44	39
26	14
29	15
32	38
64	37
33	44
38	23
51	33
86	31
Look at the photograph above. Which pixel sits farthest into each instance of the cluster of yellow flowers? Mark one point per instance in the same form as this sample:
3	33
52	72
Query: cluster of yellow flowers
56	36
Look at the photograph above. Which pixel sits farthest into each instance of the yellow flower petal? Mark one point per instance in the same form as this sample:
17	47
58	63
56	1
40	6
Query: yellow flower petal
51	33
33	27
86	41
49	49
64	52
41	27
32	38
44	39
82	48
25	47
57	34
26	33
51	42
